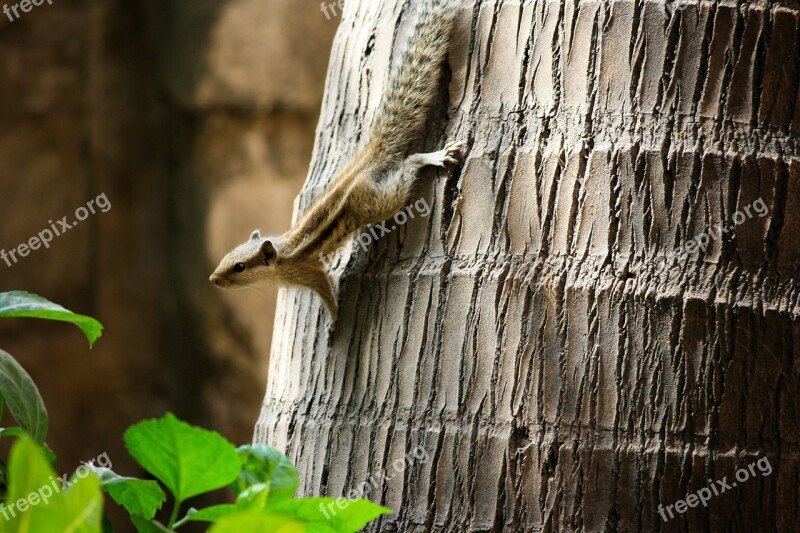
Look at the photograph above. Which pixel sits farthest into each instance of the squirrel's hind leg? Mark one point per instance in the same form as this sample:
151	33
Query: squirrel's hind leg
394	188
452	154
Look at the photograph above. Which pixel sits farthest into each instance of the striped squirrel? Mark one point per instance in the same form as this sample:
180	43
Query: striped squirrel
372	186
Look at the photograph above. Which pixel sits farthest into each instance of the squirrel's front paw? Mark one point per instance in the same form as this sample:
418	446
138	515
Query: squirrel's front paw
452	154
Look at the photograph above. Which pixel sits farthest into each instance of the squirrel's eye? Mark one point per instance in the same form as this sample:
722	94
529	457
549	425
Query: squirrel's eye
239	267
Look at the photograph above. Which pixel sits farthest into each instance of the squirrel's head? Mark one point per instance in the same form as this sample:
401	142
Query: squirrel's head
248	264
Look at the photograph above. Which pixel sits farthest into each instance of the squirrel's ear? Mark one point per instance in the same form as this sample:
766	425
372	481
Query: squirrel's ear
256	235
269	252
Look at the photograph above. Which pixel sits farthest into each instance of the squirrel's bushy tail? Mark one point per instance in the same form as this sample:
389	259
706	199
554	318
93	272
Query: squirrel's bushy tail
405	107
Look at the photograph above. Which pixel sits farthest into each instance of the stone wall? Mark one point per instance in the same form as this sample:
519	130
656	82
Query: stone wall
196	119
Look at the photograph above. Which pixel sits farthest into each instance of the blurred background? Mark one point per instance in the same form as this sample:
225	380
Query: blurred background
196	119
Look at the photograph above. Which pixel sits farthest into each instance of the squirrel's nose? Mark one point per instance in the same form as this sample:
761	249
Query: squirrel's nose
215	280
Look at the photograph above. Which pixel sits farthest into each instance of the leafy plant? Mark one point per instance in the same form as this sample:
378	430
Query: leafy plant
186	460
36	501
23	304
17	389
190	461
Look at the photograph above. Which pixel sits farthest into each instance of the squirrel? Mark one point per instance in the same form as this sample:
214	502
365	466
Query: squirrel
372	187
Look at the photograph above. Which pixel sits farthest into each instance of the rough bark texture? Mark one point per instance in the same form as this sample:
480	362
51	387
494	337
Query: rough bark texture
561	369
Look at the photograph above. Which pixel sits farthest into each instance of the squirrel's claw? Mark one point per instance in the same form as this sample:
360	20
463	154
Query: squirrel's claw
455	151
452	154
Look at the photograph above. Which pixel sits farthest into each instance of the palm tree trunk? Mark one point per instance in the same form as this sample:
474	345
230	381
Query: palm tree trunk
597	319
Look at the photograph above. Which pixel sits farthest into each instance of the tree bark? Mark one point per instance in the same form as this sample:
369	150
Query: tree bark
562	368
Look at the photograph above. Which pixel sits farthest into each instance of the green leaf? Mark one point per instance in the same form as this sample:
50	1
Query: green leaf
253	498
148	526
13	432
138	496
29	470
107	526
22	304
265	465
49	454
188	460
36	502
255	521
83	504
22	398
342	515
304	515
210	514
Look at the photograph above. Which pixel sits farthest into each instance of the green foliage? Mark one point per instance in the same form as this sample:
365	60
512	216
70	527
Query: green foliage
268	466
211	514
190	461
308	515
255	521
36	502
22	398
327	514
147	526
137	496
187	460
17	389
22	304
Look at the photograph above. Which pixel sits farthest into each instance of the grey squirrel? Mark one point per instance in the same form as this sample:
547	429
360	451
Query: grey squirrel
372	187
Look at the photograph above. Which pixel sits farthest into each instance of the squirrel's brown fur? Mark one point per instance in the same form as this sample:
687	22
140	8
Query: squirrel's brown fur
371	188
